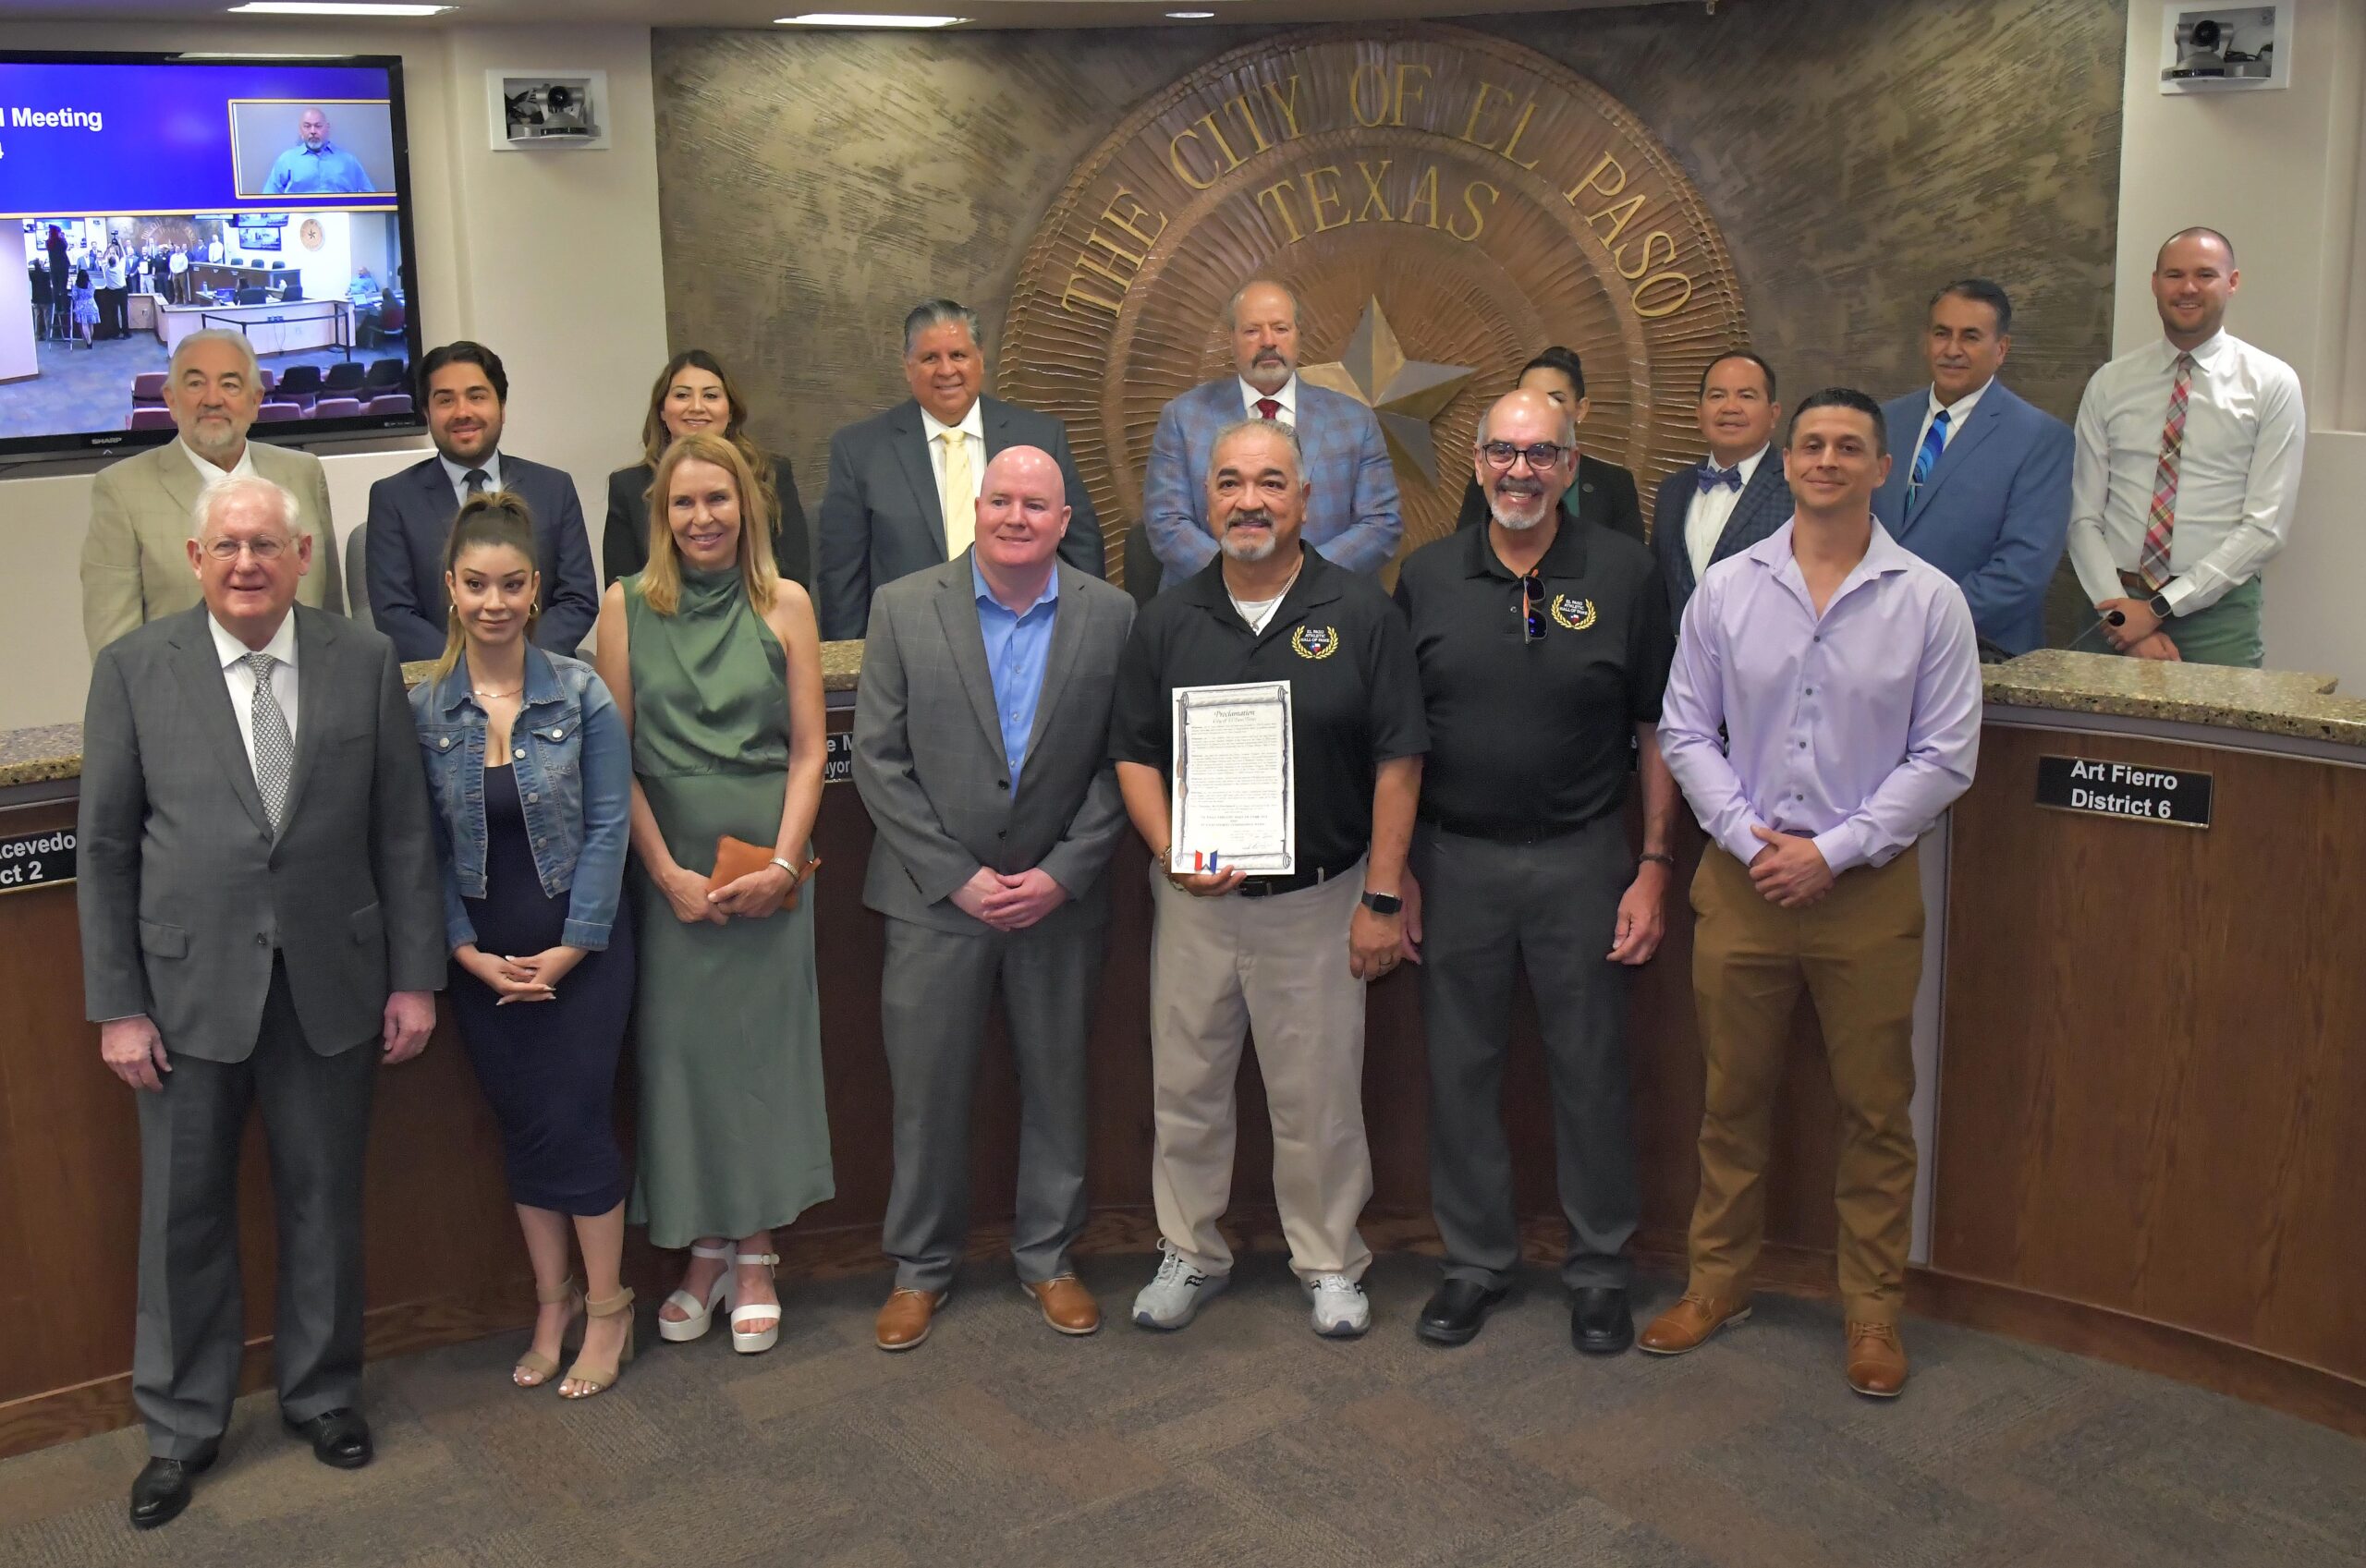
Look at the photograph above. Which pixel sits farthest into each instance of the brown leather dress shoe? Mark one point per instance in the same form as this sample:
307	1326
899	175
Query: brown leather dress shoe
1876	1360
905	1320
1687	1324
1066	1305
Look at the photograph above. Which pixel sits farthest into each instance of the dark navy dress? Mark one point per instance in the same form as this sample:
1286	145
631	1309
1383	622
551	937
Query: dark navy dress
549	1068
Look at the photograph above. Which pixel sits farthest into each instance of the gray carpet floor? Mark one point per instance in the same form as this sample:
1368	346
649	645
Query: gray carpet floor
1244	1440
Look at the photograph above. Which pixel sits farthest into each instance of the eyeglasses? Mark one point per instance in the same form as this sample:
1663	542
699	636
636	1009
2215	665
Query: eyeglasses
1501	454
1531	595
264	549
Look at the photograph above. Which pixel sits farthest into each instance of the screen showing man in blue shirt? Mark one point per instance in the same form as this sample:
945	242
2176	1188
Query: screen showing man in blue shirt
315	165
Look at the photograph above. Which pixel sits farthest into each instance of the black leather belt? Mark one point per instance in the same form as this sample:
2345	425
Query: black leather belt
1505	832
1267	887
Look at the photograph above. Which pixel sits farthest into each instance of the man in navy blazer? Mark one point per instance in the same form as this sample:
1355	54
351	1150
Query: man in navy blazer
885	513
1982	485
1351	510
1737	496
465	392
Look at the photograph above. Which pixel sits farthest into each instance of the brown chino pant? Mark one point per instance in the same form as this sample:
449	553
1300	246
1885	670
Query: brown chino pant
1858	952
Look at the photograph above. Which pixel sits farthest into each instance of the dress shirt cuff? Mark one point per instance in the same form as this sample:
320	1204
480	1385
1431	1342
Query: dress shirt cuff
1741	843
2183	592
1842	846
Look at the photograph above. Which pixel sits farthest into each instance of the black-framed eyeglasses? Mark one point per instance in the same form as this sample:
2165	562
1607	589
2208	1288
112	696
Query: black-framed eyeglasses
1531	606
1543	456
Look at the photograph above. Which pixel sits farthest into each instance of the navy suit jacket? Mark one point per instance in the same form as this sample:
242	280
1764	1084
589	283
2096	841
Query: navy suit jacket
1765	506
410	523
882	518
1993	513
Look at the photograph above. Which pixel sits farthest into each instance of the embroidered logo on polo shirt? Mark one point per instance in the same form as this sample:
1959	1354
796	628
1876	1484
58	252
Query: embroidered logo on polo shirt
1315	642
1573	615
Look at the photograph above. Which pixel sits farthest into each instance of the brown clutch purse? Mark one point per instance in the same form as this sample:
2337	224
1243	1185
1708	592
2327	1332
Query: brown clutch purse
735	857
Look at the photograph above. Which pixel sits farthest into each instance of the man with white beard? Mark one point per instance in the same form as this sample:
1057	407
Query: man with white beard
1543	645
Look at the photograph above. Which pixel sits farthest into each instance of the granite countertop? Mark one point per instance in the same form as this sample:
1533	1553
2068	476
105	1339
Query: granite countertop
2285	703
54	751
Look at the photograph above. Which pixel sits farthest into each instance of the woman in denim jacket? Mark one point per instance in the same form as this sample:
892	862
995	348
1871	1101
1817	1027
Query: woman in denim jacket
533	775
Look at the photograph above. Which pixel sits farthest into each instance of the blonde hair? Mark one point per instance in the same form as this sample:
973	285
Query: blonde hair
661	580
494	517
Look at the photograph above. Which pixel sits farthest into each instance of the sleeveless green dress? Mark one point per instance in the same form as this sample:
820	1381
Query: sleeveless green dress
734	1134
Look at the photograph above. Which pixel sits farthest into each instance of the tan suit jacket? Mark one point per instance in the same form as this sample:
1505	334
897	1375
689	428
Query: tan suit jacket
135	559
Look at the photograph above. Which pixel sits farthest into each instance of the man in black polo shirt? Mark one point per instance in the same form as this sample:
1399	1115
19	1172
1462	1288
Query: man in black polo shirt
1285	955
1544	647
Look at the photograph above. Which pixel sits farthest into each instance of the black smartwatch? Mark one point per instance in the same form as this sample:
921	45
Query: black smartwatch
1382	903
2159	605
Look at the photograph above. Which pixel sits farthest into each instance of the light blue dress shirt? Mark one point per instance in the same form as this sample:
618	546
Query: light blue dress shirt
1018	647
458	476
300	171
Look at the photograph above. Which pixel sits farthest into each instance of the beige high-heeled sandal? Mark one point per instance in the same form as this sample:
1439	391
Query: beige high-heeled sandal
542	1366
599	1379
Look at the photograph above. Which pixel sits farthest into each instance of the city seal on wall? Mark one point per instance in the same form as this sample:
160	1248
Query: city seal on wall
1443	202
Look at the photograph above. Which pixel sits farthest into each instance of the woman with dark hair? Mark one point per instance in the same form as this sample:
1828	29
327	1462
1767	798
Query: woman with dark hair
1603	492
530	769
694	394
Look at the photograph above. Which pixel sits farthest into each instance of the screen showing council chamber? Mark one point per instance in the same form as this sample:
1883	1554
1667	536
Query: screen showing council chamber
158	196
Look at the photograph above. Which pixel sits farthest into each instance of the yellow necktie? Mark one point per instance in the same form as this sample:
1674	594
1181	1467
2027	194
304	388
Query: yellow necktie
958	495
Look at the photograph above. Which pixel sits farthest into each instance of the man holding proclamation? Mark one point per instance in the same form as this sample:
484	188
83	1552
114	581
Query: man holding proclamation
982	750
1284	950
1844	673
1543	645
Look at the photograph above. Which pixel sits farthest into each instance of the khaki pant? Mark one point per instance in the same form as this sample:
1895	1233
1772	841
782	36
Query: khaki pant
1858	953
1218	969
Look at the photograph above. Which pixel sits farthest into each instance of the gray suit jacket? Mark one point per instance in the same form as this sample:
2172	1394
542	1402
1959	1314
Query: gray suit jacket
183	886
881	519
928	751
135	557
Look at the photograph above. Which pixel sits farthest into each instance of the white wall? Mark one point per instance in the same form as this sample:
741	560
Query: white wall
2277	173
551	259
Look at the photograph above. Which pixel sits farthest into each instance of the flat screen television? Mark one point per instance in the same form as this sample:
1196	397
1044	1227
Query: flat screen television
159	195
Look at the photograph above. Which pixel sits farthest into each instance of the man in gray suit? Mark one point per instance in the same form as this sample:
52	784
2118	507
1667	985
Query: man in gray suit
903	483
981	748
135	566
261	922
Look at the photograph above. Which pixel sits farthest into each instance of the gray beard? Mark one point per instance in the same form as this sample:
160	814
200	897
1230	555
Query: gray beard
1244	550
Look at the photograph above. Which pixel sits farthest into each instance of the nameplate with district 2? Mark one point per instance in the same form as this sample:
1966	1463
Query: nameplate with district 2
38	859
838	758
2177	796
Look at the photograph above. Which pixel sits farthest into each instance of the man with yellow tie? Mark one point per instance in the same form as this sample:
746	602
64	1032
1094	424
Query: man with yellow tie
903	487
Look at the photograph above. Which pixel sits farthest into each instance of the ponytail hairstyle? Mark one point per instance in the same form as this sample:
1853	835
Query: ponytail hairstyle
494	517
661	580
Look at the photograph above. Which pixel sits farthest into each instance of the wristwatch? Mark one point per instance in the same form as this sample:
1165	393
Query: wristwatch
1382	903
2159	605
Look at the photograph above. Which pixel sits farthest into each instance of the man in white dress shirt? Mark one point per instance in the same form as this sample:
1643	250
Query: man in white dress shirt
1737	496
2188	467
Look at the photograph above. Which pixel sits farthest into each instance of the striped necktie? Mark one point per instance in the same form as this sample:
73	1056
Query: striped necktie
1926	457
2153	565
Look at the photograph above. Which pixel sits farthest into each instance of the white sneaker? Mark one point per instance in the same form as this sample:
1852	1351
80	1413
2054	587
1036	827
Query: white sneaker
1174	1295
1341	1311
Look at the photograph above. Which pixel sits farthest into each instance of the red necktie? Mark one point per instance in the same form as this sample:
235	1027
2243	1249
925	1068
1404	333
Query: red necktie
2152	560
1268	408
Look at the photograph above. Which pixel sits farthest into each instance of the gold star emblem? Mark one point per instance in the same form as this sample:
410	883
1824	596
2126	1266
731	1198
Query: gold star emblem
1406	394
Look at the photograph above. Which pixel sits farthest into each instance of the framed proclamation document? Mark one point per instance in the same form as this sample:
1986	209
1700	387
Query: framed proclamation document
1234	802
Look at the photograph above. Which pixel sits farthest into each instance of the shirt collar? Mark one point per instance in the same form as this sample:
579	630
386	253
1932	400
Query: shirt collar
458	476
1286	398
1960	409
1565	557
228	650
1883	558
541	684
323	151
1316	583
986	594
206	472
973	423
1747	468
2207	356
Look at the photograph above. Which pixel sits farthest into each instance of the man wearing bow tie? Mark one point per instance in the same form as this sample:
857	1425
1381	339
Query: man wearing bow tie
1736	497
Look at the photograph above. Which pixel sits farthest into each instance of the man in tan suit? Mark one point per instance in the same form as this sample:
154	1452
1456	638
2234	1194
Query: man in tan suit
135	559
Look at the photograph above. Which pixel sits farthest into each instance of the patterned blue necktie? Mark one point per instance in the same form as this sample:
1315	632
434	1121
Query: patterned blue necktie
1713	478
1926	457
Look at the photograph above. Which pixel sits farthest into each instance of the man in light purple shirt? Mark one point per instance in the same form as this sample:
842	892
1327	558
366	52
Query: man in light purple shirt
1844	675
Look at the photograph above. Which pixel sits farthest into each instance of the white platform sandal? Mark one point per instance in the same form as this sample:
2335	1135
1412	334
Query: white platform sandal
756	1344
701	1313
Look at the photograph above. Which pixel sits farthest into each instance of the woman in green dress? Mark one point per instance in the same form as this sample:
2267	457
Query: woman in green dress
716	663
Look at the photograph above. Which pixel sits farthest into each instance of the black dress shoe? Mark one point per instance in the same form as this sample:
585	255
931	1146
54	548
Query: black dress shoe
161	1490
338	1437
1600	1324
1455	1312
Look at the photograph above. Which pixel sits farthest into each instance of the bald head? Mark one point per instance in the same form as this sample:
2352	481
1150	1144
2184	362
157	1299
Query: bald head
1522	492
1022	515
